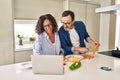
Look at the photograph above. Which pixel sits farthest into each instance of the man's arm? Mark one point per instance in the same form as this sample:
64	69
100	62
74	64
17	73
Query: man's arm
89	40
81	49
67	49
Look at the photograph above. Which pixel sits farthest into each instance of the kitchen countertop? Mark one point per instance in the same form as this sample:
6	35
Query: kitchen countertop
90	70
24	47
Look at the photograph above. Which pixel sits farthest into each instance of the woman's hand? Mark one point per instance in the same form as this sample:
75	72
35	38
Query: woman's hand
64	60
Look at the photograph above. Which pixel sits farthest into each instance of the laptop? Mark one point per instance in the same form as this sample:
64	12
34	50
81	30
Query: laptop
47	64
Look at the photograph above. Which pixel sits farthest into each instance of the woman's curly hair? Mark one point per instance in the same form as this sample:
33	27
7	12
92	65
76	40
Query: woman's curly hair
39	27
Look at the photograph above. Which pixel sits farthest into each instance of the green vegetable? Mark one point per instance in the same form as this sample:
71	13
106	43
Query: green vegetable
75	66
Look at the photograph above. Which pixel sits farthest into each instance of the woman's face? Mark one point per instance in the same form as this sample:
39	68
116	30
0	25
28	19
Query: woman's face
47	26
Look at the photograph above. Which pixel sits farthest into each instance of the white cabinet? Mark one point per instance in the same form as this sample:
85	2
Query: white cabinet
33	9
22	56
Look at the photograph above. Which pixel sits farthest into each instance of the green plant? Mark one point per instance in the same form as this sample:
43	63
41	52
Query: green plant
20	36
32	38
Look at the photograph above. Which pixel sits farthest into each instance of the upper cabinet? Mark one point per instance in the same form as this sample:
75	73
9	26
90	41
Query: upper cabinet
32	9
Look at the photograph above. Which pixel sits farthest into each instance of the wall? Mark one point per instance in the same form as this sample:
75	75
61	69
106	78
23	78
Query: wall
112	30
6	32
117	37
79	8
93	21
32	9
107	29
104	32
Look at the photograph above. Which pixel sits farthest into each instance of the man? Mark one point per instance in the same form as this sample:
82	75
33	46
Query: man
72	35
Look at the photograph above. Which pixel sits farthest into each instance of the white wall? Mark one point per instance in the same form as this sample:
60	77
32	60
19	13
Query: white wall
79	8
104	29
112	30
93	21
117	37
104	32
6	32
66	5
32	9
107	29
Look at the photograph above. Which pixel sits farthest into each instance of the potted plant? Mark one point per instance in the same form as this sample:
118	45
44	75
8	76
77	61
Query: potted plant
20	36
32	38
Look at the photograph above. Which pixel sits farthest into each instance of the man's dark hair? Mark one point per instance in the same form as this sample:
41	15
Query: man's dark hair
67	13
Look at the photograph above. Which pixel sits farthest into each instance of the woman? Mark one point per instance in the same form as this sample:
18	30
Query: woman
48	42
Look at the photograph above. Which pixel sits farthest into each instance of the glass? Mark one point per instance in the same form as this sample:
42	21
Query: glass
67	23
48	25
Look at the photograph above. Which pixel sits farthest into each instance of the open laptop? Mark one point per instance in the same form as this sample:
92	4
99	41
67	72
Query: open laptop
47	64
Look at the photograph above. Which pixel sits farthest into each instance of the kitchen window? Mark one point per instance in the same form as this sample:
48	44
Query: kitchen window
26	28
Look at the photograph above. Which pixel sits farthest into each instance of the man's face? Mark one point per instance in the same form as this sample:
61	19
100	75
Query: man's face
67	22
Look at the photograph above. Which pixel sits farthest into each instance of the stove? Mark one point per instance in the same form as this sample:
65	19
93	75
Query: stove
112	53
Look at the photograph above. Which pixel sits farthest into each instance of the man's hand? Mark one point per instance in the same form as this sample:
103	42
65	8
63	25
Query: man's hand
96	44
81	49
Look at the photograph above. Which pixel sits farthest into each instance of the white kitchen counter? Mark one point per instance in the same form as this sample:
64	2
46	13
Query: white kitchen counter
90	70
24	47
